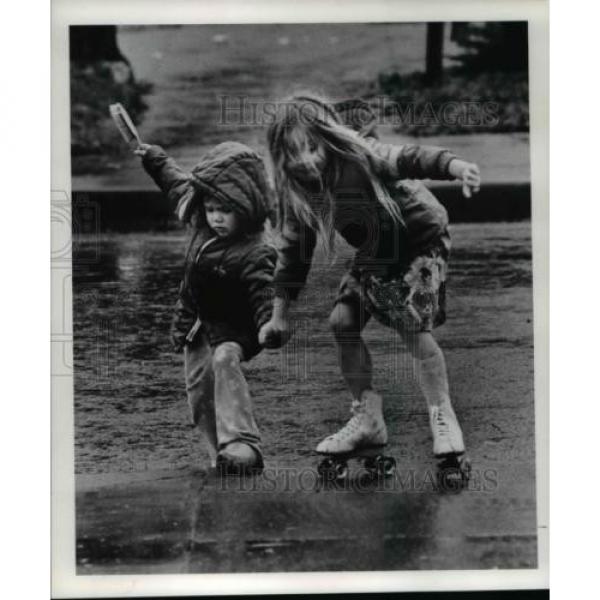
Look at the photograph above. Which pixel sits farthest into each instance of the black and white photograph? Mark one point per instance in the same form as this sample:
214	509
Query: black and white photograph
296	319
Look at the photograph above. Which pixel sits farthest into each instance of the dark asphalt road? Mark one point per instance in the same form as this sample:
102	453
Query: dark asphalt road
146	503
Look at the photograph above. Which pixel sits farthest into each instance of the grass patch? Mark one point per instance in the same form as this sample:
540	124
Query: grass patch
94	137
480	103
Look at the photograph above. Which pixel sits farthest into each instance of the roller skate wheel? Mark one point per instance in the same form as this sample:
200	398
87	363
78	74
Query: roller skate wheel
465	467
384	465
454	472
370	464
325	466
389	465
332	469
340	470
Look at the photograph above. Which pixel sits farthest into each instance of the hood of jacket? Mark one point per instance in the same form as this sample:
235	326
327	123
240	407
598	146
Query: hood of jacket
235	174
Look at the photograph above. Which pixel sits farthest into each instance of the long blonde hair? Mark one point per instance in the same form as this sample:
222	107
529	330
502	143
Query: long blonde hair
341	144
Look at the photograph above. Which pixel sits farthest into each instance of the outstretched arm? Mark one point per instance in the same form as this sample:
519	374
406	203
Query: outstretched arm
411	161
295	250
170	178
468	174
276	332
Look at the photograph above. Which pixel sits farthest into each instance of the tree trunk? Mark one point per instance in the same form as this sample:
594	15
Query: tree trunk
435	52
91	43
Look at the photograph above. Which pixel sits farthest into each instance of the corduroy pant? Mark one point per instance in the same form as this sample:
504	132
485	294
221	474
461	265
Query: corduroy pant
218	395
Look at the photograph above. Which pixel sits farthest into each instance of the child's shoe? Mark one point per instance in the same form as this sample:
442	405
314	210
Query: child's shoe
447	435
365	428
239	458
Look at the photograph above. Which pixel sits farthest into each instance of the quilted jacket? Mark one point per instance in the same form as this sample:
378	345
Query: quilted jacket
227	286
383	246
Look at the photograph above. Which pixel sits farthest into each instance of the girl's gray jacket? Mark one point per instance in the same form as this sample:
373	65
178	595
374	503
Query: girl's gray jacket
384	246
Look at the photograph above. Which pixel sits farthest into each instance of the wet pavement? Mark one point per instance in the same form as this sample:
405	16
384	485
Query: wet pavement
286	521
146	502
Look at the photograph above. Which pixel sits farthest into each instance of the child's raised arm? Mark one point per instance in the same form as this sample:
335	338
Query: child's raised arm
170	178
410	161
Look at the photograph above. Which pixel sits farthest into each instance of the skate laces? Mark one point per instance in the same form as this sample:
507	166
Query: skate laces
357	408
442	425
353	426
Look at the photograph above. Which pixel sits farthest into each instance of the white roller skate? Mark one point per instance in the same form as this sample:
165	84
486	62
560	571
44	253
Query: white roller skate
366	427
363	437
448	444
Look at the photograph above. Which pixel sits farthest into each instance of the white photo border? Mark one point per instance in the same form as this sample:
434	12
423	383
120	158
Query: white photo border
65	582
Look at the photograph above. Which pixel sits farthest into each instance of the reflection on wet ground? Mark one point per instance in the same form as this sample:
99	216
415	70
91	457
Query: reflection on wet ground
146	502
283	521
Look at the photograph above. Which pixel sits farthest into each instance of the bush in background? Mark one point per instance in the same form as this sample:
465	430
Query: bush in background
506	95
100	76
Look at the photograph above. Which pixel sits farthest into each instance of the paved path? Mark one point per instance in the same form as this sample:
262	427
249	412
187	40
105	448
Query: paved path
144	503
282	521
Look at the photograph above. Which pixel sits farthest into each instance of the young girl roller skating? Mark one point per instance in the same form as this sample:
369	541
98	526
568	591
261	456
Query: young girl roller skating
331	179
226	292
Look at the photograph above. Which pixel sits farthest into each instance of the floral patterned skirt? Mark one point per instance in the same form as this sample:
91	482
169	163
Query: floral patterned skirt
414	301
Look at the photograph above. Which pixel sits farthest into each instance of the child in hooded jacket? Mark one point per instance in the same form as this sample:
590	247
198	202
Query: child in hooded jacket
226	292
329	179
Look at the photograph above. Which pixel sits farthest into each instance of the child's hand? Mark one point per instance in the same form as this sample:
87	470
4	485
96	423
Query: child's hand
468	174
142	149
274	333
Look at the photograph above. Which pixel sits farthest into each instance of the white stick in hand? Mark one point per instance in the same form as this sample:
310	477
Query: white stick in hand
125	125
